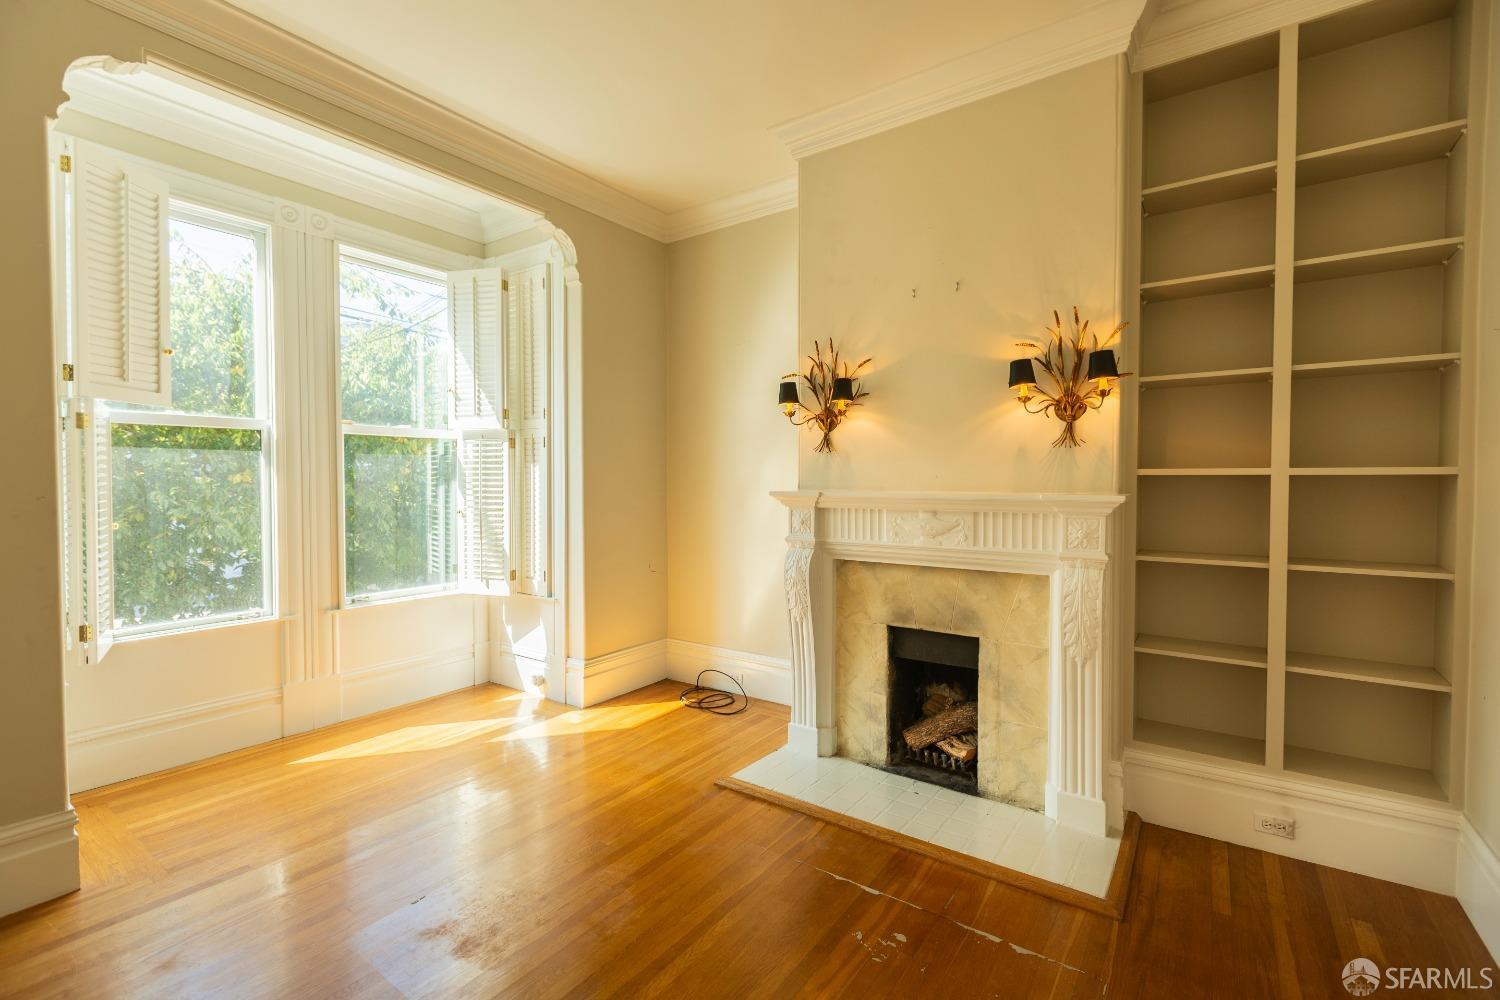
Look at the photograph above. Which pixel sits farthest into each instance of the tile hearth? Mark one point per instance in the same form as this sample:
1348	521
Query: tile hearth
1001	834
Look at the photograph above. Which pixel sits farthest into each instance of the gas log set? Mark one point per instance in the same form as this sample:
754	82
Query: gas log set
946	737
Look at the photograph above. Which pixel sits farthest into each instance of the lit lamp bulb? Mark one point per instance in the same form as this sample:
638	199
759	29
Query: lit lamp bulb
1103	370
1022	378
843	394
786	395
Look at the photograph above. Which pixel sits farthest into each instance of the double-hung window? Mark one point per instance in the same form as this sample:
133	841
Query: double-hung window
189	484
400	475
170	311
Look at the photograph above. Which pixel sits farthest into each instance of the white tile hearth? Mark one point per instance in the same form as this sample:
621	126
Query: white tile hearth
1001	834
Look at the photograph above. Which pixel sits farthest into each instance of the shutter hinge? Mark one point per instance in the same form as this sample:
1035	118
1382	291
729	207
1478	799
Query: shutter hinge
85	633
505	414
81	420
65	163
512	442
504	285
512	574
67	373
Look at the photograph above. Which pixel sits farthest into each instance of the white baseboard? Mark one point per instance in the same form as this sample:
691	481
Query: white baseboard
107	754
765	678
1407	841
400	682
38	860
1478	884
601	678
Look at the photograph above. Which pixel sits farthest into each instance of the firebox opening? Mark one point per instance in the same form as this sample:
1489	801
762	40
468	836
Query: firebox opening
933	721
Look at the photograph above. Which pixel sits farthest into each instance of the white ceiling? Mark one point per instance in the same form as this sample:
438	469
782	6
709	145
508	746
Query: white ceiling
668	101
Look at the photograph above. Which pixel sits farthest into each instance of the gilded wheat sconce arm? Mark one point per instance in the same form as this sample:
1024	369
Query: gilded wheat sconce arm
1081	369
835	390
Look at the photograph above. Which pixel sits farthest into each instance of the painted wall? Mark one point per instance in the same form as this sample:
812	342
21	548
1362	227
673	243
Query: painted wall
1482	801
933	248
622	472
733	322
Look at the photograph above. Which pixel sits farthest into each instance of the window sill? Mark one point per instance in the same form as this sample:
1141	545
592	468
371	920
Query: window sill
204	625
403	597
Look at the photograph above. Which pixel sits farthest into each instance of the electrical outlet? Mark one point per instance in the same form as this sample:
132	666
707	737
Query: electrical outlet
1276	826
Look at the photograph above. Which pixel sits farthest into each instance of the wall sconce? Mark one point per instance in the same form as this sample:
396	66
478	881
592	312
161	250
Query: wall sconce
833	392
1083	370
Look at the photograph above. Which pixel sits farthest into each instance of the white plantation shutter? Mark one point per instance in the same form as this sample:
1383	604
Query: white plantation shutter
121	280
439	509
530	371
478	343
98	531
485	464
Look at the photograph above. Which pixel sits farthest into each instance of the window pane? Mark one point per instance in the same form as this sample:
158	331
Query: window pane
187	522
399	513
396	360
213	321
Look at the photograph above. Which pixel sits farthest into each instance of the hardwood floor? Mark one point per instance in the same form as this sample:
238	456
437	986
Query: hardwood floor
486	844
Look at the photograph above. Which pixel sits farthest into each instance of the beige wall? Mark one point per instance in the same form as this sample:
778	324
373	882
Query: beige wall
733	321
623	469
1482	803
1016	199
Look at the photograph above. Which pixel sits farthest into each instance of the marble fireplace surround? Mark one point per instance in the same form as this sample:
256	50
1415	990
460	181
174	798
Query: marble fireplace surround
1063	536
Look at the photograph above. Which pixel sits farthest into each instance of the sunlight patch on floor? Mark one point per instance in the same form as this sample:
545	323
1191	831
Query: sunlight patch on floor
413	739
593	720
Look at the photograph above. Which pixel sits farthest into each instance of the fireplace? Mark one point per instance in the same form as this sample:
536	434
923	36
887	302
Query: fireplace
933	677
1025	572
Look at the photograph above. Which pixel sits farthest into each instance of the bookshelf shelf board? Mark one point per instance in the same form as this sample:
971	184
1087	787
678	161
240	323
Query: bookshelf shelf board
1358	568
1360	771
1200	741
1197	649
1367	671
1395	258
1404	363
1226	377
1226	185
1386	152
1203	559
1216	283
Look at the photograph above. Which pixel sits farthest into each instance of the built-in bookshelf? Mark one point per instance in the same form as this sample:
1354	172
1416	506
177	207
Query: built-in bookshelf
1300	415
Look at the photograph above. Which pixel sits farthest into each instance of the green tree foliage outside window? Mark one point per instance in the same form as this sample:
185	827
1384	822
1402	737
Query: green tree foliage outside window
395	364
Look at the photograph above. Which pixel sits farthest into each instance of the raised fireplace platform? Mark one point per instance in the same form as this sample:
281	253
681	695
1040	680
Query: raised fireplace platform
1062	537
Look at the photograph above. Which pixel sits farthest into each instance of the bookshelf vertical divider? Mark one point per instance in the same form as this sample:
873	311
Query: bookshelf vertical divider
1281	395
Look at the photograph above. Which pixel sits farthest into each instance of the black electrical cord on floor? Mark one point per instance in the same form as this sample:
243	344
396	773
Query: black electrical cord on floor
712	699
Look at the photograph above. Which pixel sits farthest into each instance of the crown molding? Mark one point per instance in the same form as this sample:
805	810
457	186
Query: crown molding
1098	32
1199	26
242	38
768	199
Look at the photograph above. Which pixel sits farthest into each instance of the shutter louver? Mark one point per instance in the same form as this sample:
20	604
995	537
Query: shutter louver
98	531
529	353
478	382
121	281
486	482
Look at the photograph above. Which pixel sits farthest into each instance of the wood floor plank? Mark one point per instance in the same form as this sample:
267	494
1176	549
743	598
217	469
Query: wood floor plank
487	843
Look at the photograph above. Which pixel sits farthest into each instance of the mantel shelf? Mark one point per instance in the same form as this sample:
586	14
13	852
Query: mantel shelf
1366	671
1405	363
1383	153
1225	377
1197	649
1427	253
1202	559
1226	185
1357	568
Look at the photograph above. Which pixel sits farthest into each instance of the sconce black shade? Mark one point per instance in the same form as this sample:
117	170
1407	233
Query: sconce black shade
1022	373
843	390
787	392
1102	365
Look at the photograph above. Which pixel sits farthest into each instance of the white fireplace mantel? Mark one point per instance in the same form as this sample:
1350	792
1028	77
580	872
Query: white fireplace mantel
1064	536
